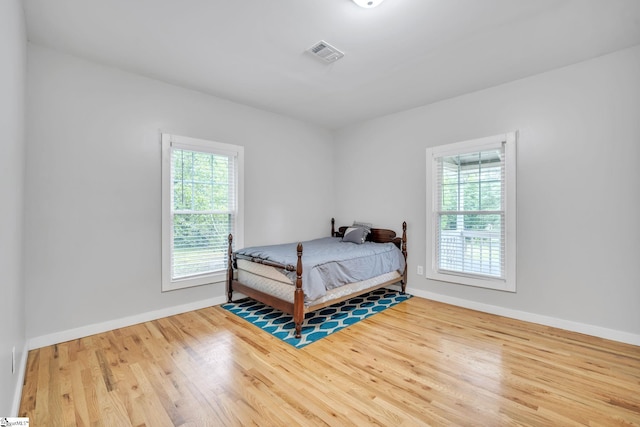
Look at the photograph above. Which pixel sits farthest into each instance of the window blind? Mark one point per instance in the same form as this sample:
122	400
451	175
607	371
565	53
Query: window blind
203	210
470	213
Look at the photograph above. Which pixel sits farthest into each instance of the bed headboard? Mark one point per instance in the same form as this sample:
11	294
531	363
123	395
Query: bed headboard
378	235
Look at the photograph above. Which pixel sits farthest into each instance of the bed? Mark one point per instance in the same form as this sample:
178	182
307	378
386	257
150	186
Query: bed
354	260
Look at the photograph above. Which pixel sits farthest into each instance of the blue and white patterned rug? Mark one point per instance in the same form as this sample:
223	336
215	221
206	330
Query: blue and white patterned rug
317	324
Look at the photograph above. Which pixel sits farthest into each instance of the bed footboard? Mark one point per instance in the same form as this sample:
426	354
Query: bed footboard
298	296
296	309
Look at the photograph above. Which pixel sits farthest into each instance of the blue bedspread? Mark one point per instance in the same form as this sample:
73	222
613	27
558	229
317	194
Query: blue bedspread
329	262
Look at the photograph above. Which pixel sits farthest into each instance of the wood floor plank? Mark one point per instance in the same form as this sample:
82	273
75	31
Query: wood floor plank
418	363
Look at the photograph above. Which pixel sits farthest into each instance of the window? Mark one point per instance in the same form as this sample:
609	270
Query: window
202	194
471	212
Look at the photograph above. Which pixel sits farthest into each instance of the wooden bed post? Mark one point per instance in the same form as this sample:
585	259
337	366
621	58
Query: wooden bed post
298	296
230	270
333	227
404	252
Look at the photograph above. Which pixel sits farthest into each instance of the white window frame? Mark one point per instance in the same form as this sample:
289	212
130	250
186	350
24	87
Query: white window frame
508	282
193	144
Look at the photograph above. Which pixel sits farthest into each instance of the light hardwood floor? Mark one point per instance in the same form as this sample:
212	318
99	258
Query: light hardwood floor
418	363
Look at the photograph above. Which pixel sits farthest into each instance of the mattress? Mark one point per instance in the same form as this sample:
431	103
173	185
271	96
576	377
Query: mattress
329	262
273	282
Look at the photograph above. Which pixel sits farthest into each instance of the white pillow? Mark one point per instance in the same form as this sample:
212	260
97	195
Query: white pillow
355	235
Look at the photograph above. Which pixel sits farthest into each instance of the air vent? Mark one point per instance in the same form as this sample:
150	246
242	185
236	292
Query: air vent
325	51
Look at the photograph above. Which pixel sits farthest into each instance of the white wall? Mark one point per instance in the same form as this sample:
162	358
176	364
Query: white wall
13	48
578	186
93	186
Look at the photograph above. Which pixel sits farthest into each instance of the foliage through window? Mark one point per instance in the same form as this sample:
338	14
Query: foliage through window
201	208
472	222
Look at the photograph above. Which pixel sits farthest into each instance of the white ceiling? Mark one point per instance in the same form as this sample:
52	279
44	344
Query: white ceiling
400	55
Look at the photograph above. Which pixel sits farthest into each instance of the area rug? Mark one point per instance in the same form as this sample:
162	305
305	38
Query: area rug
317	324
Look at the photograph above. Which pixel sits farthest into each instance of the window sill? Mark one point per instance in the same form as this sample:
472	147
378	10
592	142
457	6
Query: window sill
208	279
479	282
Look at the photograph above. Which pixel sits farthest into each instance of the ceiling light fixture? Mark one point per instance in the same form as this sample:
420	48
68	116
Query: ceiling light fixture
367	3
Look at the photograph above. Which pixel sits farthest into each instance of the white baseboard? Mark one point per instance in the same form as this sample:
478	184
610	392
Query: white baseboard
583	328
22	369
96	328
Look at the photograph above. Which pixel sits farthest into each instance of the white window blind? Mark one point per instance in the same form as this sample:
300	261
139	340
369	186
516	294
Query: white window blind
201	209
471	212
